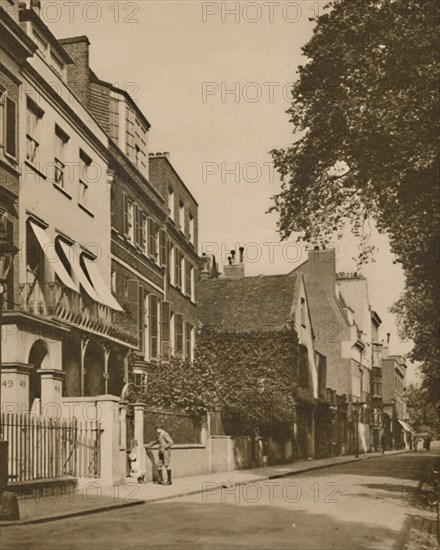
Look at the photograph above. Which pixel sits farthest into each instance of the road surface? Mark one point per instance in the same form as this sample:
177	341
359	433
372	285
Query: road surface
362	505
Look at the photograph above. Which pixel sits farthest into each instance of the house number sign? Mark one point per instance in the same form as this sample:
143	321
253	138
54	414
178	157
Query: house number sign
10	383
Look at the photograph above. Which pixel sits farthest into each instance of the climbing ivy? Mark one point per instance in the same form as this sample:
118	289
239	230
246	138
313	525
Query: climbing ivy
252	373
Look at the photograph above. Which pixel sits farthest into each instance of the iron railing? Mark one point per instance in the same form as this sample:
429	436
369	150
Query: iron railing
48	448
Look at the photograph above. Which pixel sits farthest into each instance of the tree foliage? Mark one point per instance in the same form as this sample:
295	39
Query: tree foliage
422	413
253	373
365	109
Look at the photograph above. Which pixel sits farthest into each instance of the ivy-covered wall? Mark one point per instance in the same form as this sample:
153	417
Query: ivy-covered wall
252	373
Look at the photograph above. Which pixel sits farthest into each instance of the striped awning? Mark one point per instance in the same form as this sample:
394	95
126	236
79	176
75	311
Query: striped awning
53	261
407	427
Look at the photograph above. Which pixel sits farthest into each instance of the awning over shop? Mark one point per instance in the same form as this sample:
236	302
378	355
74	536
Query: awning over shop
101	287
406	427
73	259
55	264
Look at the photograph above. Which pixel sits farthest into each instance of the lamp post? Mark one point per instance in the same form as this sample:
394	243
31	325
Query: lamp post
357	406
8	502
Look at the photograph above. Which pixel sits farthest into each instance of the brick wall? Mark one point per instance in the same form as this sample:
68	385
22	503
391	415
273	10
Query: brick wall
181	304
162	176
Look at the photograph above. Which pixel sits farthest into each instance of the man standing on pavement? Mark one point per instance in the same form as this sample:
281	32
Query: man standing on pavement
165	443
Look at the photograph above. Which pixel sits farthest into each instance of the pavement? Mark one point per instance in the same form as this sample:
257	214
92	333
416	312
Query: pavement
93	495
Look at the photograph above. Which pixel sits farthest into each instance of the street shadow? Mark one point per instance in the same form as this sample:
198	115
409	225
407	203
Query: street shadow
206	527
388	487
414	467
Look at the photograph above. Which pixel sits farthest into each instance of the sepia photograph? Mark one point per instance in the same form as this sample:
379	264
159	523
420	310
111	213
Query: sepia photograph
219	275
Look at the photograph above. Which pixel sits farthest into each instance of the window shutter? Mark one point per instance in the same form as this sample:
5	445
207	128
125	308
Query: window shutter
143	231
125	207
188	331
11	127
133	299
178	319
176	266
137	225
151	238
163	247
141	318
188	268
154	328
195	284
165	329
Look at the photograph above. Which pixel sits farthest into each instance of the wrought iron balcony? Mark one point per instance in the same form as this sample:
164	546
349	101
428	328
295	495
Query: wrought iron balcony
56	301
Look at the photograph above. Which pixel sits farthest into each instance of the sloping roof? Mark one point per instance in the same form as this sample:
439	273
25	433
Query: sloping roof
252	303
355	293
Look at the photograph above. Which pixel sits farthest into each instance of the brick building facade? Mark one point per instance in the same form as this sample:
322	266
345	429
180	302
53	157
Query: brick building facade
154	222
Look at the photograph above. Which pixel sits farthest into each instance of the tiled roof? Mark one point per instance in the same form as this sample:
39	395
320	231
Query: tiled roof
252	303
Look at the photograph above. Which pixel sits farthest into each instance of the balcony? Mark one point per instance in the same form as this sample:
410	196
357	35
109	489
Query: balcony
56	301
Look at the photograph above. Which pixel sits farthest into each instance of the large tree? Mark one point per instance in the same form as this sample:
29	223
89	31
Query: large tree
365	111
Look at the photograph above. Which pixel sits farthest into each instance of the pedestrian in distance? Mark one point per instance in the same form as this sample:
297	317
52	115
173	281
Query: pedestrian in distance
427	443
383	443
164	457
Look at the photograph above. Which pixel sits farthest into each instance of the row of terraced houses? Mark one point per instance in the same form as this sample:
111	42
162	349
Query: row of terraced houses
108	278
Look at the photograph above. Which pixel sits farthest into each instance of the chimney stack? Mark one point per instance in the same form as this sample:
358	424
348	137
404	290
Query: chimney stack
208	267
233	269
320	268
78	72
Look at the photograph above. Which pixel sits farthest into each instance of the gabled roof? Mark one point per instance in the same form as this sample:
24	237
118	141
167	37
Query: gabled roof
327	312
127	96
263	303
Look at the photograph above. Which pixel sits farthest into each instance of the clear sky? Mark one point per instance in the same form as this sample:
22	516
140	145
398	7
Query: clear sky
213	79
